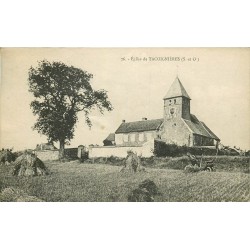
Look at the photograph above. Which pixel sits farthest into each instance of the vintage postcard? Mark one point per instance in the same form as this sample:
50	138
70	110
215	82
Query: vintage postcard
125	124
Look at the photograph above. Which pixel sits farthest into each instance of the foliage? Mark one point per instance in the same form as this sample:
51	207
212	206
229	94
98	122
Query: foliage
71	153
60	92
163	149
6	156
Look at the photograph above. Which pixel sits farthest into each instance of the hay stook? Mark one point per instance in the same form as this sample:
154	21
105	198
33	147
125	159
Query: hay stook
146	192
28	164
132	162
6	156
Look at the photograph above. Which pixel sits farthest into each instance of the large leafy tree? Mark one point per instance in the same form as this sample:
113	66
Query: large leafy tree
61	92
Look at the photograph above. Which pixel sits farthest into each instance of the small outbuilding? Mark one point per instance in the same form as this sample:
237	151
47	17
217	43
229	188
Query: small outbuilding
110	140
45	146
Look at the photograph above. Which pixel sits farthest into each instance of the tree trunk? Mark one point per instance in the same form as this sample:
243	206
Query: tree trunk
61	150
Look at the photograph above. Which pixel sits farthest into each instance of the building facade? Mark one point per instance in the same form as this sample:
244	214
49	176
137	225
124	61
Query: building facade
178	125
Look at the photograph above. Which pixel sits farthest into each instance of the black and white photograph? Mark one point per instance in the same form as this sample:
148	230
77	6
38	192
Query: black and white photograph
125	125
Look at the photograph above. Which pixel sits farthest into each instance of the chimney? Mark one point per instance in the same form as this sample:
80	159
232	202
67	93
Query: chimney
144	118
123	121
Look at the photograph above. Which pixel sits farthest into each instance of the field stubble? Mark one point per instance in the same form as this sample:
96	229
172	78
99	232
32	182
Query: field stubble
74	181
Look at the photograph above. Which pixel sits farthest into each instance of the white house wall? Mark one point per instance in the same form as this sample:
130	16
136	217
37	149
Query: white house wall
118	139
146	150
135	137
48	155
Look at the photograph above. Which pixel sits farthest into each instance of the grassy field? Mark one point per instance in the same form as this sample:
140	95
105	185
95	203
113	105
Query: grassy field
74	181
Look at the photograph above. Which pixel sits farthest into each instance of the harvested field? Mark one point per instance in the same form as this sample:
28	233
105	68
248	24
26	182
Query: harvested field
222	163
74	181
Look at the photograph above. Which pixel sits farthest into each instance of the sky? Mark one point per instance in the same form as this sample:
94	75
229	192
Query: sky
216	79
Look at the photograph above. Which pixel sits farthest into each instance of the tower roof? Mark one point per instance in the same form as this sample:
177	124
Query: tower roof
176	90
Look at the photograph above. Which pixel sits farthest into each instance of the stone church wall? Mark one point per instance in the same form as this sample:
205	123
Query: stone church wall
176	131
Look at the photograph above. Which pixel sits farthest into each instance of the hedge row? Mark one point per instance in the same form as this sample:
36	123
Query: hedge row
161	149
71	153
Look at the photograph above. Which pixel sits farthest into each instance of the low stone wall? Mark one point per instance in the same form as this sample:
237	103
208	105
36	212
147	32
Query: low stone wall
146	150
48	155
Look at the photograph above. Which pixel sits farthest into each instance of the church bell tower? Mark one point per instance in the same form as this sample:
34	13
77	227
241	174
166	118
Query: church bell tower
176	102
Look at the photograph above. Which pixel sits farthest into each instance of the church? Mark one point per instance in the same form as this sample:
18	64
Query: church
177	126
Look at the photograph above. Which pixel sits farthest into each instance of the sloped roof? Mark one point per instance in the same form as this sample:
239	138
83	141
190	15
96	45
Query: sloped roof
210	132
199	128
45	146
176	90
139	126
111	137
